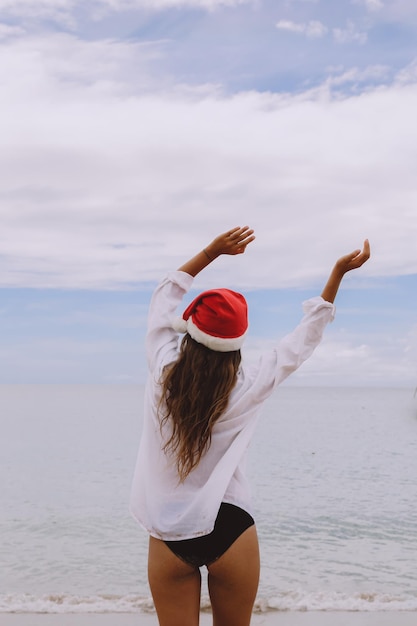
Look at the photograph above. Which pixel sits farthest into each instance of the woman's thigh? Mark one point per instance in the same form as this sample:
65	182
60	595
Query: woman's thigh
233	581
175	586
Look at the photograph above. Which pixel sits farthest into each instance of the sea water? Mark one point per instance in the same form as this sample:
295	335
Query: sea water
334	481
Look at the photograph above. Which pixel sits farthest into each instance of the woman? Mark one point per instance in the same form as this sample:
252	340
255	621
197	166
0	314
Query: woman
201	408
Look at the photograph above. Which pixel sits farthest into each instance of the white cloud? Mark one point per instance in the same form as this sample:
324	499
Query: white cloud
408	75
165	4
6	30
108	180
345	358
293	27
313	28
401	9
371	5
374	5
356	76
349	34
55	10
23	6
62	10
342	360
316	29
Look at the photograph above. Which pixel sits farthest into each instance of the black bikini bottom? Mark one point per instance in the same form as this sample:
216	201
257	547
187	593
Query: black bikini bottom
230	523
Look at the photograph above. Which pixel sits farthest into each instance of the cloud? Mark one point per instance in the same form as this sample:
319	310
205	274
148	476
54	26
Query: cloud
401	9
6	30
65	10
55	10
313	28
349	34
293	27
407	75
371	5
345	358
356	76
110	178
166	4
374	5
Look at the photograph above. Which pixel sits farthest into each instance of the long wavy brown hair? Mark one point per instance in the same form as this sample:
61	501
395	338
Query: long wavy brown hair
195	393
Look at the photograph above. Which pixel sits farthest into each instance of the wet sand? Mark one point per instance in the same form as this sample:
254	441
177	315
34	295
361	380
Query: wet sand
291	618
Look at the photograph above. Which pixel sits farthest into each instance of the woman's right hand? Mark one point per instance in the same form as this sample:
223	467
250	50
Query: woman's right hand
233	241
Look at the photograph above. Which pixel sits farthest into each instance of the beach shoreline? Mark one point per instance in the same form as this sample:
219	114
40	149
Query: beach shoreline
270	618
334	513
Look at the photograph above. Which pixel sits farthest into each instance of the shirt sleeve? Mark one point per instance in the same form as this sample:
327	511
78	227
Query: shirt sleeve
290	352
161	342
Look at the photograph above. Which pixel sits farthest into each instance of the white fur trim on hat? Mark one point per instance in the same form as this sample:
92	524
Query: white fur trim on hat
219	344
179	325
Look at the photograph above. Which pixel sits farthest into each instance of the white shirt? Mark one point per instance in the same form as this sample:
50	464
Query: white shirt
171	510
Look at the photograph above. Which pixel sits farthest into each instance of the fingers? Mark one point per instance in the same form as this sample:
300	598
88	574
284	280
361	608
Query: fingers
233	241
353	255
240	236
359	257
363	255
355	259
239	232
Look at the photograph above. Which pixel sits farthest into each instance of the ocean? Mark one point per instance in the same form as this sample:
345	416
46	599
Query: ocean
334	481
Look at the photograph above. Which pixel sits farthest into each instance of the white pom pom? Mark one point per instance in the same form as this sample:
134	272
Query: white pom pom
179	325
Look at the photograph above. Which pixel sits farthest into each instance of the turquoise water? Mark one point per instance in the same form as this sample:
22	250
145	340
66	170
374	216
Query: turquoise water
334	483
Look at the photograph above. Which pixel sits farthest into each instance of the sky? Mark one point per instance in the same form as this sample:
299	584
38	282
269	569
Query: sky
135	131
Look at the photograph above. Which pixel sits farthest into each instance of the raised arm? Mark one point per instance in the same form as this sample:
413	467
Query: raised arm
233	242
346	263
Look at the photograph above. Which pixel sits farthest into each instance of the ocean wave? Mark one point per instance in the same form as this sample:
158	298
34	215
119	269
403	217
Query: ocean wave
73	603
337	601
285	601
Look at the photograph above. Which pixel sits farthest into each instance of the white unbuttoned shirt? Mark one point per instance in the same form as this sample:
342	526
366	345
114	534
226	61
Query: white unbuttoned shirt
171	510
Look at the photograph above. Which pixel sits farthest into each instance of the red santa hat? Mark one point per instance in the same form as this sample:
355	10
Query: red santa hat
218	319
